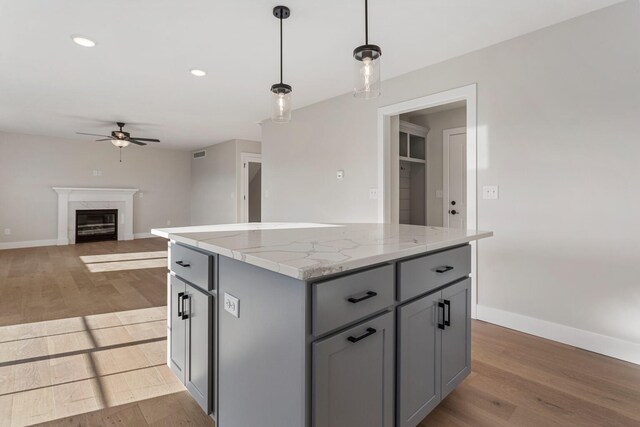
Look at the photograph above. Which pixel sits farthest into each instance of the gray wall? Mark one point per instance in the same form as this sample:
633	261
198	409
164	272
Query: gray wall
30	165
215	182
558	130
437	122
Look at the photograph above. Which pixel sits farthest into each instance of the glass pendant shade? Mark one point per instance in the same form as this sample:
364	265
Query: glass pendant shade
367	71
281	103
120	143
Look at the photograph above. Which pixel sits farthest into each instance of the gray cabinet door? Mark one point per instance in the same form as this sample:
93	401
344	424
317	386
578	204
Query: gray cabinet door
456	336
418	373
177	328
353	376
200	328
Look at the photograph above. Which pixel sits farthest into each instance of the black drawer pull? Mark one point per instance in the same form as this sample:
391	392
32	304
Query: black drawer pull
370	331
369	294
185	316
447	319
183	264
444	269
180	295
440	306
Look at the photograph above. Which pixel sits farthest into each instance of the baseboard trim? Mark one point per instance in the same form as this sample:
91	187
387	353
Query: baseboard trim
609	346
28	244
143	236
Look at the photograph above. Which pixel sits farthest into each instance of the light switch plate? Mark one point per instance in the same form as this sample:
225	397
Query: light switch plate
232	304
439	194
490	192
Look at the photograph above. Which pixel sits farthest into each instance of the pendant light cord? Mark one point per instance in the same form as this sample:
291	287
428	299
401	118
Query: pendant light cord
281	47
366	21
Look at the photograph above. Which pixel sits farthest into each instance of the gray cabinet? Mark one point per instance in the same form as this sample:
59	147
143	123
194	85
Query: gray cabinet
191	346
456	336
434	343
353	376
177	328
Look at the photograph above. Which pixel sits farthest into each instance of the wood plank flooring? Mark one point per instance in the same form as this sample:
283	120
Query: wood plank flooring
57	282
96	354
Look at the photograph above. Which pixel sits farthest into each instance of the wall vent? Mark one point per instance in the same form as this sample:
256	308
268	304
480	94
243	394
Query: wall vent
198	154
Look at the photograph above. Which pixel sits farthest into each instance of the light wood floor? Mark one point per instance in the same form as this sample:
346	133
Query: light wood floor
57	282
96	354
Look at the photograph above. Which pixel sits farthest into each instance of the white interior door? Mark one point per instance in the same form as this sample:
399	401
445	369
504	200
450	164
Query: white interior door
251	203
454	178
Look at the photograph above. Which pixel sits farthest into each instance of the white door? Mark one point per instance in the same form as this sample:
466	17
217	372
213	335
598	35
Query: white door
454	151
251	197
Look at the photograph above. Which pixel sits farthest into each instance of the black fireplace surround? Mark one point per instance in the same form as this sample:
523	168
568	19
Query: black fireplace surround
96	225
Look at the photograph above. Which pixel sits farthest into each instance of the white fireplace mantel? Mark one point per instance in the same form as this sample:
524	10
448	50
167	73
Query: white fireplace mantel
67	195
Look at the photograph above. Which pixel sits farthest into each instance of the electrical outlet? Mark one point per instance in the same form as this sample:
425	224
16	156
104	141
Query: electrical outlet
490	192
168	222
99	173
141	194
340	175
232	304
95	172
7	231
373	193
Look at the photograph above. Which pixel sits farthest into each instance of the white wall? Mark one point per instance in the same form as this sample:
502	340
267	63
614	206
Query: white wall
437	123
30	165
558	116
215	182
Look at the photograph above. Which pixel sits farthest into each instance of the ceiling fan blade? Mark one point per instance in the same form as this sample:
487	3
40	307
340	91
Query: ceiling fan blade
92	134
146	139
136	142
106	139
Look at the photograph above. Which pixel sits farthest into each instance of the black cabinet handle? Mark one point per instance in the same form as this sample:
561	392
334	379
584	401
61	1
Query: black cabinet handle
180	295
440	306
370	331
447	320
444	269
369	294
184	313
183	264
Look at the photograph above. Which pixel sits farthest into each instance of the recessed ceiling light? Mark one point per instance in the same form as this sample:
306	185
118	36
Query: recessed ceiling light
198	73
82	41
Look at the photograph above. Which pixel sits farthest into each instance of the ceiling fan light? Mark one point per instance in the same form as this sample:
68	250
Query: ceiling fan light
120	143
198	73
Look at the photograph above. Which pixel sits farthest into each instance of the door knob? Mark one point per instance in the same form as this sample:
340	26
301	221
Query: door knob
454	212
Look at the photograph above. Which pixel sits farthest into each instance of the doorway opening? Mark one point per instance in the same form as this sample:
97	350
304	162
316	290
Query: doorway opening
461	174
251	206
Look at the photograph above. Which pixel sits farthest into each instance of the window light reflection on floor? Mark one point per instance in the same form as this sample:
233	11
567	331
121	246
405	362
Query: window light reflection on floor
125	261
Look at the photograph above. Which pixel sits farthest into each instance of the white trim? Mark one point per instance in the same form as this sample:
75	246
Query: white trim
28	244
244	184
446	134
143	236
465	93
591	341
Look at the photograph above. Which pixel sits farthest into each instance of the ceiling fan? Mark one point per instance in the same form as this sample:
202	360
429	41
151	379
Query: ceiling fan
120	138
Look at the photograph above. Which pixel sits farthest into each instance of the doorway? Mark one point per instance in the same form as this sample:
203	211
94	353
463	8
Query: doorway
388	169
251	203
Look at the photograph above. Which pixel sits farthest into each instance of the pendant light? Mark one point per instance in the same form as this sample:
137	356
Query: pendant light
281	98
367	65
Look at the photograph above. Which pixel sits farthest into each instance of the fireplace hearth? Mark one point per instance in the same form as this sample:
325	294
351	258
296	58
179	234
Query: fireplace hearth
96	225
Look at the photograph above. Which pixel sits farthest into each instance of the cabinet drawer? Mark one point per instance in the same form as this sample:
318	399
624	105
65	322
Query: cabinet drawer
421	275
193	266
346	299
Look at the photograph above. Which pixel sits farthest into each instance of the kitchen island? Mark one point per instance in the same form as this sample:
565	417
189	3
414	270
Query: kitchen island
323	325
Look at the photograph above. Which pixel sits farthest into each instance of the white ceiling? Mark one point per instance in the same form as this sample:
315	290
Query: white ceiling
139	71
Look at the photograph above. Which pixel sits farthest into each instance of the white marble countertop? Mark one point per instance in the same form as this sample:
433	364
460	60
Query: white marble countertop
307	251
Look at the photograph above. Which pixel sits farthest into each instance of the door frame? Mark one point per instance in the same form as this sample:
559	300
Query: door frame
244	183
446	134
465	93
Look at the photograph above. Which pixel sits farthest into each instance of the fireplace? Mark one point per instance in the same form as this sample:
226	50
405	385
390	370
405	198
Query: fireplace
96	225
